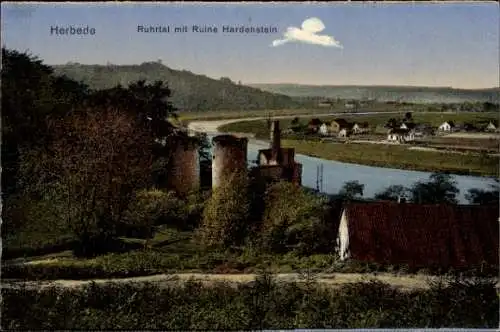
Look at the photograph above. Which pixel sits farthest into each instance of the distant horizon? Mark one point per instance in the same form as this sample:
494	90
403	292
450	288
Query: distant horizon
337	44
279	83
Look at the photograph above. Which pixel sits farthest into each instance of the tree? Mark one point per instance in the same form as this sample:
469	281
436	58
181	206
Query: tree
408	117
96	162
291	218
391	123
351	190
483	197
204	148
295	121
30	94
225	217
441	188
392	193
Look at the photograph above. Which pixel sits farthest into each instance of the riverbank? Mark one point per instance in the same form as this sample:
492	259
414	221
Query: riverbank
398	156
378	155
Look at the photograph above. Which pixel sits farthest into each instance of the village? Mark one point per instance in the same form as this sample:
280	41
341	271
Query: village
450	135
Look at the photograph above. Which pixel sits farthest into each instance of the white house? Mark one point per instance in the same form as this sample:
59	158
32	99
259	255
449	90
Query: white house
446	126
401	135
324	129
343	132
360	128
491	127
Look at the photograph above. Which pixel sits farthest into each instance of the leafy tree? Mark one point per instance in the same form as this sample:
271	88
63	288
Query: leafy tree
482	197
148	102
391	123
95	163
225	217
31	93
392	193
441	188
351	190
408	117
292	217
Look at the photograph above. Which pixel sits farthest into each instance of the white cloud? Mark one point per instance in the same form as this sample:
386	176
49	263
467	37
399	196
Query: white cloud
308	34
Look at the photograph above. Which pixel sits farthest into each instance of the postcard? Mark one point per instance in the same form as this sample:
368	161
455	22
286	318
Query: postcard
222	166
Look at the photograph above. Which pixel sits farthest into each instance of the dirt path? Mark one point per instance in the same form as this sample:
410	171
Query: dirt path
331	280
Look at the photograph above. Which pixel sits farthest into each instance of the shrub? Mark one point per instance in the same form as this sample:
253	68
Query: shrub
291	219
225	216
155	207
262	304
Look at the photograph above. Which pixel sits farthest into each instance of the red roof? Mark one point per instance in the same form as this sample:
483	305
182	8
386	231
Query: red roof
423	235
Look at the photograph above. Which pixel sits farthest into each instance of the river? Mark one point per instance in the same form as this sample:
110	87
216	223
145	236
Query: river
335	173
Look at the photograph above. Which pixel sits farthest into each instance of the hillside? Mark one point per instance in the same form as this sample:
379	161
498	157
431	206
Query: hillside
385	93
190	92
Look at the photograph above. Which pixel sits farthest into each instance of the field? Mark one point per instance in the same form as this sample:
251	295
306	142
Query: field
220	115
435	119
395	156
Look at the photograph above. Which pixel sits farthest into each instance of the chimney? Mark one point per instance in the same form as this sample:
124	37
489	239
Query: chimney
276	141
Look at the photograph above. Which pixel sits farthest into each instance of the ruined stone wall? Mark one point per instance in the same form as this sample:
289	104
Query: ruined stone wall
229	156
184	168
297	174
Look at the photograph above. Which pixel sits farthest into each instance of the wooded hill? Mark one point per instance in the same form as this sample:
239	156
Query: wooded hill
411	94
190	92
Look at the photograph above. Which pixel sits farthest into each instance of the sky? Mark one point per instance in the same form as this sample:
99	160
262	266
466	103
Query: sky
433	44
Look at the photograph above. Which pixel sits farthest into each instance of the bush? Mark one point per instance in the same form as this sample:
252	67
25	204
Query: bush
262	304
154	207
225	216
292	219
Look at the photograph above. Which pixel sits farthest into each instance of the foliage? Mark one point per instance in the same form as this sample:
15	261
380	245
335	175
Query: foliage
149	103
30	93
191	92
262	304
392	193
96	161
292	218
154	207
481	196
351	190
204	148
226	213
441	188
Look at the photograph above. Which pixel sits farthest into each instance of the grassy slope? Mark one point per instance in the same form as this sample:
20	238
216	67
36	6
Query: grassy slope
387	93
190	91
383	155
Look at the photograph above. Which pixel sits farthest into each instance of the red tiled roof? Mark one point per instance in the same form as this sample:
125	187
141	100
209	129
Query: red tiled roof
423	235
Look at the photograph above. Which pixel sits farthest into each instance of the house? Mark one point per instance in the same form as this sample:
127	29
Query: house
491	126
324	129
339	124
407	125
400	135
361	128
344	132
349	105
314	125
447	126
422	236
